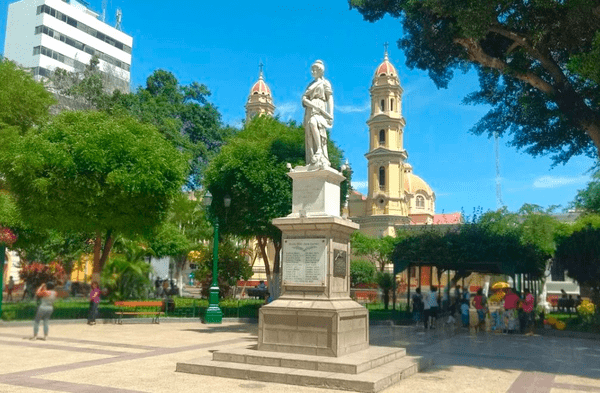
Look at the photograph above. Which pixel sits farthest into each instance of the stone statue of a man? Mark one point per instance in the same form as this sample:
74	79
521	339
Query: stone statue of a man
317	101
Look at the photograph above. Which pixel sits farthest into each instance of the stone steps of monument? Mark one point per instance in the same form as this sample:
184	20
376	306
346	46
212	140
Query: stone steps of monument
372	380
353	363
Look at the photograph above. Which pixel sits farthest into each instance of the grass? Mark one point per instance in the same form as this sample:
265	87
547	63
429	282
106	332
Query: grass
575	323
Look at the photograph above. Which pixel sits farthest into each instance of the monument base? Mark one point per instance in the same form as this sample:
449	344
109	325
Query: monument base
369	370
313	326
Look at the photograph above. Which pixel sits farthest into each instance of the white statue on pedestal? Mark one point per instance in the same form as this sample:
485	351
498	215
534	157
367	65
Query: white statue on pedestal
318	117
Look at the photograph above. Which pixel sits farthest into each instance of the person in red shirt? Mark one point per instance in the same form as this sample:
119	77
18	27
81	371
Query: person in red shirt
527	307
511	317
480	302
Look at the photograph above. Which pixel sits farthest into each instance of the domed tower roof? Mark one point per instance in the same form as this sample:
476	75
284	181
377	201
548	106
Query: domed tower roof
260	101
260	87
386	68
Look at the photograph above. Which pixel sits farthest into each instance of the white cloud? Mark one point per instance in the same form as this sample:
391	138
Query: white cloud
286	110
558	181
353	108
360	185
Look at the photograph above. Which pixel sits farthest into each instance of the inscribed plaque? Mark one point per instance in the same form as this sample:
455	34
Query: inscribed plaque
339	263
304	261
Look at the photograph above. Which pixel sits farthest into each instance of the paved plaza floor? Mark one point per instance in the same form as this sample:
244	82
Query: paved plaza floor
141	357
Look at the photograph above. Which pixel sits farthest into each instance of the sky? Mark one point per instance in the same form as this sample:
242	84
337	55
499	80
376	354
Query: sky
221	44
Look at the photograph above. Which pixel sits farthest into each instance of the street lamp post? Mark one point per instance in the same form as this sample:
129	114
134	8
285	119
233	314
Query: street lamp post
214	313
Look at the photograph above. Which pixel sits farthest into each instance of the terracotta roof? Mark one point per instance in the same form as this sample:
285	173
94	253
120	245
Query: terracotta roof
260	87
386	68
450	218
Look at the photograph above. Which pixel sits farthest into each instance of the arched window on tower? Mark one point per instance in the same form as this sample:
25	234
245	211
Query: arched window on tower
381	178
391	104
381	137
420	202
382	105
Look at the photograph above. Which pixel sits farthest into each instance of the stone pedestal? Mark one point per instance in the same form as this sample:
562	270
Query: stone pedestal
314	314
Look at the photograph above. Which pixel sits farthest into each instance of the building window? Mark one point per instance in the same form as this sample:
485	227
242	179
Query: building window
420	202
83	27
81	46
557	271
413	272
382	137
382	105
382	178
391	104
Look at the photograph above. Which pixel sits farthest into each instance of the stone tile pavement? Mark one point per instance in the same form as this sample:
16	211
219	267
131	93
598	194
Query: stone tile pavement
141	357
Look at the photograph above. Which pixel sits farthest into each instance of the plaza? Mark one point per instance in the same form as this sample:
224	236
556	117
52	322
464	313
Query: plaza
141	357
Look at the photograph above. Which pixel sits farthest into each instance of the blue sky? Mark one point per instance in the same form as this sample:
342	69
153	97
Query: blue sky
221	44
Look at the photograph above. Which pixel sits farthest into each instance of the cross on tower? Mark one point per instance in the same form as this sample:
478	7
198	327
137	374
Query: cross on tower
260	69
385	46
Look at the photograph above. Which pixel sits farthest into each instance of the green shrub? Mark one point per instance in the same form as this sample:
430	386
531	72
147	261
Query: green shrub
362	272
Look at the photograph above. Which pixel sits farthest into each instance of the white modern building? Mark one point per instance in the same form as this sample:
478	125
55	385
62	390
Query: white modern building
47	34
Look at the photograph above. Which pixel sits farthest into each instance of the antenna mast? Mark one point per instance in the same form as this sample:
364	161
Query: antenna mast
119	17
104	4
499	202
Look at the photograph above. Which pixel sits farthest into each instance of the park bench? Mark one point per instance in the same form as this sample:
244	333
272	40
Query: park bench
139	308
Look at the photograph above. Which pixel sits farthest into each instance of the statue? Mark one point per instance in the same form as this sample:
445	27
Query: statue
318	117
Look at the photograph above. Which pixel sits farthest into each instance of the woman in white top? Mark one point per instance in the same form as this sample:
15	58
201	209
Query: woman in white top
48	296
433	306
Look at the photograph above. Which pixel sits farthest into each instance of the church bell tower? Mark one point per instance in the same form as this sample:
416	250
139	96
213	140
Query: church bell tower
260	101
386	156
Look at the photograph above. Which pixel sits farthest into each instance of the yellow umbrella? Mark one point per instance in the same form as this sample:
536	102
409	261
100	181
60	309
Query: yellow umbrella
500	285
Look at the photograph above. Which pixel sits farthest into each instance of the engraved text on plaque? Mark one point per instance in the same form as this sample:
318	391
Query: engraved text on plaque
304	261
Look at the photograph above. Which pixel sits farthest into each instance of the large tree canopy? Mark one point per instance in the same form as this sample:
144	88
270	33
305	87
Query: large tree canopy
181	113
94	173
24	103
580	254
535	61
588	199
251	168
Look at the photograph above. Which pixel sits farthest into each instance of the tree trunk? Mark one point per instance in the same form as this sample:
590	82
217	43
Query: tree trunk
276	289
262	244
100	259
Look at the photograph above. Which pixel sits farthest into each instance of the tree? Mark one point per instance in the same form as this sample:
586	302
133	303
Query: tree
94	173
580	254
533	59
232	266
362	272
588	199
252	170
184	230
126	274
385	280
24	103
378	251
181	113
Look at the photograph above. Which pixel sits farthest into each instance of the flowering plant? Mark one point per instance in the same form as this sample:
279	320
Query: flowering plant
586	311
36	273
7	237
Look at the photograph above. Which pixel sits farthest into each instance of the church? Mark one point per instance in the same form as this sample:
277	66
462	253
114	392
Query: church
396	197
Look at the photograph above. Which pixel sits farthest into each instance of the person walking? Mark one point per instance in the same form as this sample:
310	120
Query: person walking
464	313
480	304
10	287
417	303
511	318
426	310
433	306
48	296
94	301
528	304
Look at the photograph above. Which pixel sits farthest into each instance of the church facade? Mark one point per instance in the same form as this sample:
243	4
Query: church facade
396	197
